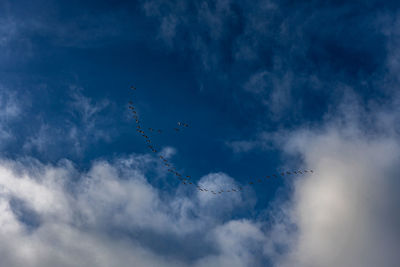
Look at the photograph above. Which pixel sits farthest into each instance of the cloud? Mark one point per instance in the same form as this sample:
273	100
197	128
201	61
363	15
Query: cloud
8	30
10	110
241	145
109	215
287	57
82	125
346	213
238	243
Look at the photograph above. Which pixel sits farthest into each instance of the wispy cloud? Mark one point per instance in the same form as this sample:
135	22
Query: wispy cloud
80	127
10	110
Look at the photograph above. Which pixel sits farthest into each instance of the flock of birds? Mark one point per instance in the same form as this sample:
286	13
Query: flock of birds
186	179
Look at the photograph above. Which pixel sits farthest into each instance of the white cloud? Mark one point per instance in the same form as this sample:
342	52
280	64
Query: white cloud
346	213
238	243
54	215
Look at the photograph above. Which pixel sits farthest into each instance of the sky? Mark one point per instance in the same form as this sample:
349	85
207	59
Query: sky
265	86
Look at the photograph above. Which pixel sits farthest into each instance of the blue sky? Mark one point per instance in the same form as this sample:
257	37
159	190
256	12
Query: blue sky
265	86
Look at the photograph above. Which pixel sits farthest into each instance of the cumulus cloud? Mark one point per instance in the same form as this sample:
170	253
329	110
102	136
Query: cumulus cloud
109	215
345	214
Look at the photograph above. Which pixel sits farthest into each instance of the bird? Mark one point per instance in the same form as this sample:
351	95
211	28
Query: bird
311	171
133	87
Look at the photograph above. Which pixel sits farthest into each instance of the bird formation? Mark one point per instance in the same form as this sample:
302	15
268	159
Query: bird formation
186	179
